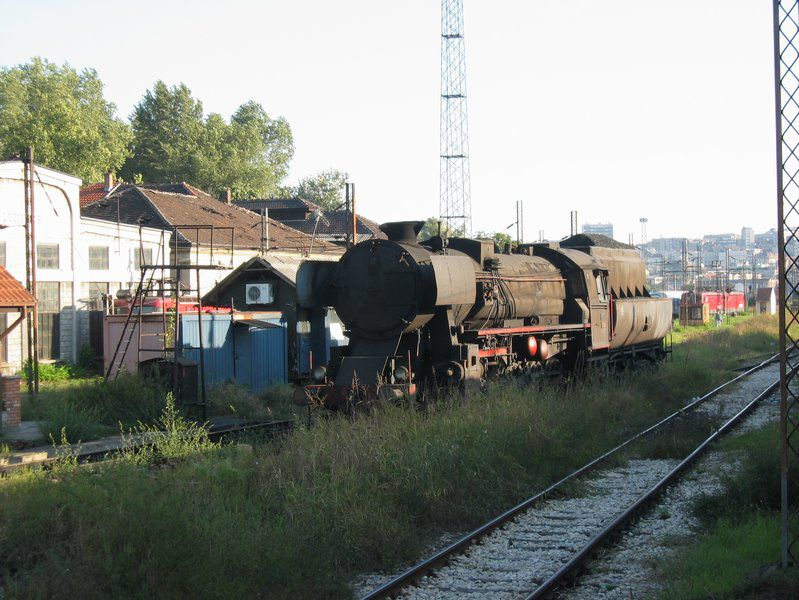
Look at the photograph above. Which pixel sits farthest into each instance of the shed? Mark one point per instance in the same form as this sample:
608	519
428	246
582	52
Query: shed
13	298
268	283
246	347
766	301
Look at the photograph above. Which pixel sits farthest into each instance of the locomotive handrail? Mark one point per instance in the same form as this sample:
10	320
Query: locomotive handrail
532	329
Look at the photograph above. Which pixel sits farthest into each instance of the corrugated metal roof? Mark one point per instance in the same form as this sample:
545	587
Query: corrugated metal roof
336	224
283	266
277	204
12	292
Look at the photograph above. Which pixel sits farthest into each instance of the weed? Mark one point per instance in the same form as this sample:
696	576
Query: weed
71	422
91	407
232	398
171	437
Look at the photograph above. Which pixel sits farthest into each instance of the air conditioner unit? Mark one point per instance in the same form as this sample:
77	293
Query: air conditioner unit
260	293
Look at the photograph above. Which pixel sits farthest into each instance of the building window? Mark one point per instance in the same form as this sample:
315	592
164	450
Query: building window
93	294
2	254
47	296
98	258
142	256
49	305
47	256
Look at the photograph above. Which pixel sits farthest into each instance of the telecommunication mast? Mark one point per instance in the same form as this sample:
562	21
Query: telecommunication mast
455	205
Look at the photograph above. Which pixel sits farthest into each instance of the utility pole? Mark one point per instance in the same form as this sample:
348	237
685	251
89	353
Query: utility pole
29	170
455	203
573	223
684	262
349	201
643	221
519	222
726	269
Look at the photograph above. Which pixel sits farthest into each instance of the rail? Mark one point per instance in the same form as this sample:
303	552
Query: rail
441	557
269	429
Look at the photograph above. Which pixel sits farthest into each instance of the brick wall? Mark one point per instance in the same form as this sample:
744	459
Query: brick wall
12	400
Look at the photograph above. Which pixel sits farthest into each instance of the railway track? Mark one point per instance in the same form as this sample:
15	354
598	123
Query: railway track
97	452
532	549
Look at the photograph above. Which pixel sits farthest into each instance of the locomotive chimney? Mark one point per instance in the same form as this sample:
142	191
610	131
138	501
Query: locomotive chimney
402	232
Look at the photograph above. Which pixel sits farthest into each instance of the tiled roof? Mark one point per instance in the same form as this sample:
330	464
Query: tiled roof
162	206
91	193
12	292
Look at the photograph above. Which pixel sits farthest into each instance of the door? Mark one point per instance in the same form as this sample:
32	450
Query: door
269	360
600	319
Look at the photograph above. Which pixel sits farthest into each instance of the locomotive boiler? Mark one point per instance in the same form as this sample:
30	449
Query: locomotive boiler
452	312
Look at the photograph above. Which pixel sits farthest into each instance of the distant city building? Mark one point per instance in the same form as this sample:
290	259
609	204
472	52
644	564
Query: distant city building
747	237
601	228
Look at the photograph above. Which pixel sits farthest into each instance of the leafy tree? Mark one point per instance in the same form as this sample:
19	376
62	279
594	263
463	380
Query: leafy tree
325	189
174	142
168	130
432	227
500	238
63	114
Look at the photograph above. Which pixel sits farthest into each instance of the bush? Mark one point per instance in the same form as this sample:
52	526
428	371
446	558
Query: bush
52	371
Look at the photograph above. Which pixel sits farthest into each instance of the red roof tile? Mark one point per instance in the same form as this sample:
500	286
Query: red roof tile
12	293
91	193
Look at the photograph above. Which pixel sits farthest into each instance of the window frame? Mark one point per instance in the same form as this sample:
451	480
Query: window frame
39	259
137	257
104	258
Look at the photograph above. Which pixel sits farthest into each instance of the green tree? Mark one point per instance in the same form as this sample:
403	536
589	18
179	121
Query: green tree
325	189
168	130
432	226
500	238
63	114
174	142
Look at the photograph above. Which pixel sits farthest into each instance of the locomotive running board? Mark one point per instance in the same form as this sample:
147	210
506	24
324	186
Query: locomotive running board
532	329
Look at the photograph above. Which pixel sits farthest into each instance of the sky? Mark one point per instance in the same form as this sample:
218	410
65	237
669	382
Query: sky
618	109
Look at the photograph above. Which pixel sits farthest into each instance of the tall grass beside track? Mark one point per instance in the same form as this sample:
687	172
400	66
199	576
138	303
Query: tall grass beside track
298	517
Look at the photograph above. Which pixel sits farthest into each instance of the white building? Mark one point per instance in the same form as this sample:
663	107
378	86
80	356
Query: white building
77	259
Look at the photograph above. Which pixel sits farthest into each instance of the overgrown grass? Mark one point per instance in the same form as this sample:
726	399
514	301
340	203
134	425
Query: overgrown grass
91	407
298	517
736	557
233	399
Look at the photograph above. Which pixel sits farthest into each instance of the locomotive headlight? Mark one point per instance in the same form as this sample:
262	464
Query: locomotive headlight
318	374
400	374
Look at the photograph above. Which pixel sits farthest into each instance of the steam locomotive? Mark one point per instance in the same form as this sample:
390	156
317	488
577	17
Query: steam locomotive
421	315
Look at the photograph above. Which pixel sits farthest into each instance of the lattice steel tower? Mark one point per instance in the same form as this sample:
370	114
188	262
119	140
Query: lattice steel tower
455	203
